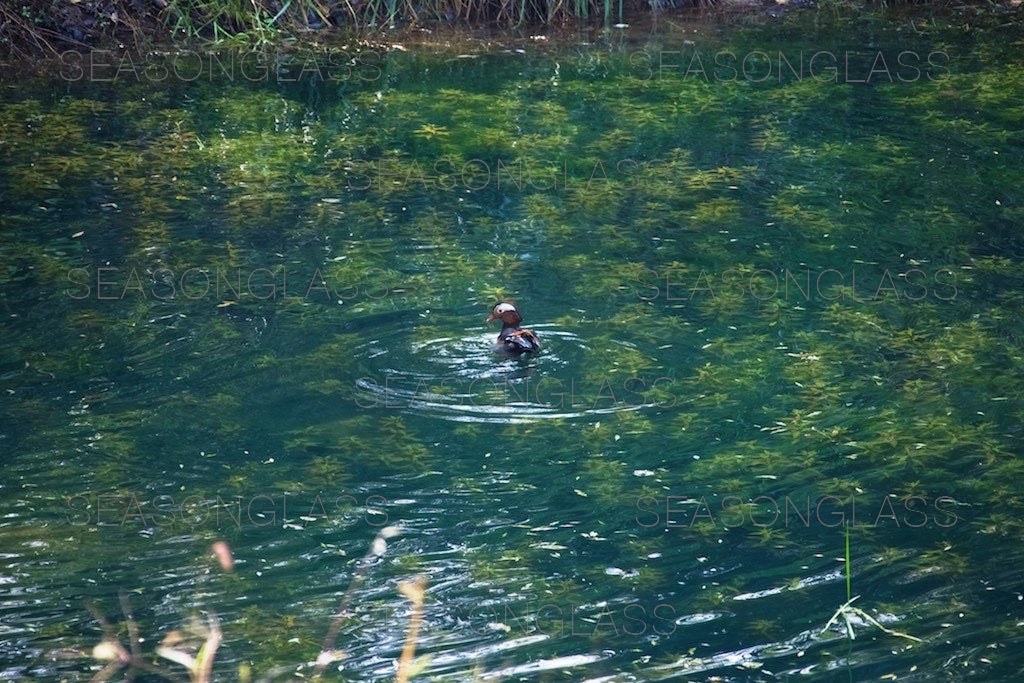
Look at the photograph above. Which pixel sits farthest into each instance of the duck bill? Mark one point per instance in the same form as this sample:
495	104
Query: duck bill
491	318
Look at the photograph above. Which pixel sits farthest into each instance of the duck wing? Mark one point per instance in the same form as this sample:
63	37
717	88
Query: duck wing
521	340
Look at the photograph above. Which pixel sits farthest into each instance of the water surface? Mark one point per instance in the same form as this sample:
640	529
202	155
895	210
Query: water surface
252	310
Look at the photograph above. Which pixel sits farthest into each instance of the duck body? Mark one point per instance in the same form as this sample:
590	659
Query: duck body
513	339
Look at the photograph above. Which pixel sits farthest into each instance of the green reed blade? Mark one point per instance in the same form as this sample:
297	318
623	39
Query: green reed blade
848	563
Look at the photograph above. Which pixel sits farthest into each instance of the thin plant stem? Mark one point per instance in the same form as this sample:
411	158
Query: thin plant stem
413	591
377	548
848	593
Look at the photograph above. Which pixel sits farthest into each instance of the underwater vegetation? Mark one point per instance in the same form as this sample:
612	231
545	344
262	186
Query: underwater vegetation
773	312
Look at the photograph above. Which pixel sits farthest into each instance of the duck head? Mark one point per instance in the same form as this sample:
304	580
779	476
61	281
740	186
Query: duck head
506	313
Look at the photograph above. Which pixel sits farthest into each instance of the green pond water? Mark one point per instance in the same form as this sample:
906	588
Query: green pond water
251	309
